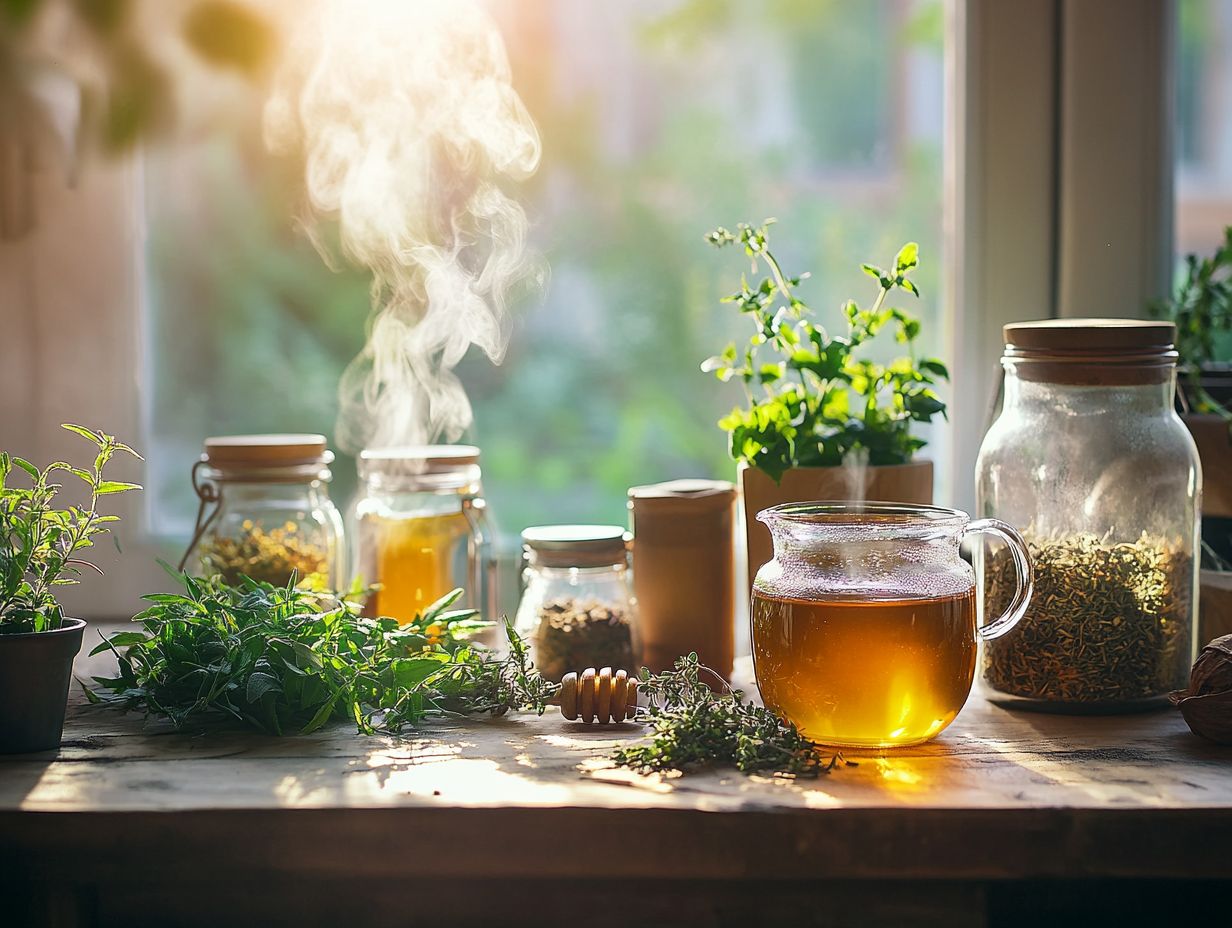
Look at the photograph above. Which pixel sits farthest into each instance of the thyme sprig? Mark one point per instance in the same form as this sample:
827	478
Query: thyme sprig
693	726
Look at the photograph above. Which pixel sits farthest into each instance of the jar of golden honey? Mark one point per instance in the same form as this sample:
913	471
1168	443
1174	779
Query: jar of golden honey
420	529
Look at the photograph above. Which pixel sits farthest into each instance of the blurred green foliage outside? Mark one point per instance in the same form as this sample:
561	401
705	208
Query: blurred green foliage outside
659	121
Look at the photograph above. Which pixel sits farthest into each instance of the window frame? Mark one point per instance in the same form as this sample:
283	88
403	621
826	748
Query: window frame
1040	226
1026	222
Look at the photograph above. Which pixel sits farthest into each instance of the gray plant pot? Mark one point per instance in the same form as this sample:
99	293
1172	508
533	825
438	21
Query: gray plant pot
35	670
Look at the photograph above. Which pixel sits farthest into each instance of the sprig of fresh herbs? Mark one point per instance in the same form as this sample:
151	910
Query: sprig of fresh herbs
1202	312
814	401
41	541
286	660
693	726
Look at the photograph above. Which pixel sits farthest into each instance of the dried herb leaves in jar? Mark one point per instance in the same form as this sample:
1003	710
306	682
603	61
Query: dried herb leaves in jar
1108	623
267	556
574	634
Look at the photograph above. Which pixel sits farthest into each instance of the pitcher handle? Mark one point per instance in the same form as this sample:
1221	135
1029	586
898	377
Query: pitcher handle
1022	567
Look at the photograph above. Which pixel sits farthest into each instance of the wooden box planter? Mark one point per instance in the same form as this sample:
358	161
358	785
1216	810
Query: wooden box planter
1210	434
1214	606
897	483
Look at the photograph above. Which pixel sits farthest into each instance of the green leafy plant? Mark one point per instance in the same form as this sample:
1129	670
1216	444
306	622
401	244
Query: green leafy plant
692	726
41	542
1202	311
816	400
286	660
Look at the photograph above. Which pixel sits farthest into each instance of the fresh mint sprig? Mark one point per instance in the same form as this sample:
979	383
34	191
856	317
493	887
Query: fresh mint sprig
288	660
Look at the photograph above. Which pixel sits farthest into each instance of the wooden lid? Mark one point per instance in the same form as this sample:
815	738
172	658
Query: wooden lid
682	496
417	459
1094	352
257	451
576	545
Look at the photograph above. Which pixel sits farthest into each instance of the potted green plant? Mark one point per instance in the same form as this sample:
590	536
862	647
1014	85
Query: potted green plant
823	420
1201	308
42	545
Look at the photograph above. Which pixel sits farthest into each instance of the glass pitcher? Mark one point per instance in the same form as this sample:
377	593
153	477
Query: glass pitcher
864	623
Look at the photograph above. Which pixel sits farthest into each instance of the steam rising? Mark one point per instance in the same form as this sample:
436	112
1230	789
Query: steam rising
408	123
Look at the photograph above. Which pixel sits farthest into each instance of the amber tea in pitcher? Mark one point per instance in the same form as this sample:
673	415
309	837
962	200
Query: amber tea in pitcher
864	623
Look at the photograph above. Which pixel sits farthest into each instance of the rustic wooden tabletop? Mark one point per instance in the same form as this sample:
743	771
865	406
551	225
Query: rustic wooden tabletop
526	816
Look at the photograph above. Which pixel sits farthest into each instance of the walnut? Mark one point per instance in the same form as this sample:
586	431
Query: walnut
1207	704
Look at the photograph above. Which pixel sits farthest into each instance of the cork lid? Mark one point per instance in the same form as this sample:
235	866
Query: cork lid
1095	352
430	459
255	451
267	458
576	545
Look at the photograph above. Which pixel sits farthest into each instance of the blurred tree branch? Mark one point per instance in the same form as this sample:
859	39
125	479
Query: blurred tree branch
83	76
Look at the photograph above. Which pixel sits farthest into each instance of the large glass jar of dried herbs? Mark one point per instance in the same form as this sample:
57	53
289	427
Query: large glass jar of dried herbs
578	608
1090	461
420	529
266	513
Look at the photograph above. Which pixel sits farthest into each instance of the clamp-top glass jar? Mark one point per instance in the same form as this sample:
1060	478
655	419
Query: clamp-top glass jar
577	607
1089	458
265	512
420	529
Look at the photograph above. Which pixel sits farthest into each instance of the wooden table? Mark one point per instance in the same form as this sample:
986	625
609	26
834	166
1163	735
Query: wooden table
1007	818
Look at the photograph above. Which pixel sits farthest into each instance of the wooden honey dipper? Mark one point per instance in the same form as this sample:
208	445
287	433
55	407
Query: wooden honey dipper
598	695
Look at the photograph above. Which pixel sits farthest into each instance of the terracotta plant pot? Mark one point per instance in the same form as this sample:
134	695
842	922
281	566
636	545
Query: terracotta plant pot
35	670
897	483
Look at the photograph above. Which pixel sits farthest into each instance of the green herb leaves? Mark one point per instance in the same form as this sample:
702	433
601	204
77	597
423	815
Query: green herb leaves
1202	312
288	660
40	542
692	726
817	401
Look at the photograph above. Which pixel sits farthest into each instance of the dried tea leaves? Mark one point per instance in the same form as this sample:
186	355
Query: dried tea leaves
1207	704
1108	623
573	634
268	556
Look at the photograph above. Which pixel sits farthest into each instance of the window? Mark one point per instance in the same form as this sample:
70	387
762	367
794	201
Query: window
659	121
1203	124
1017	143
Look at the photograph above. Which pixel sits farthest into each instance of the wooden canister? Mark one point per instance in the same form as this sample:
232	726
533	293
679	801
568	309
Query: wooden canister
684	571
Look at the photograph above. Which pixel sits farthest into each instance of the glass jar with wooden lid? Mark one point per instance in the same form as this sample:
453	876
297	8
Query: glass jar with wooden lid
577	608
1089	459
265	512
420	529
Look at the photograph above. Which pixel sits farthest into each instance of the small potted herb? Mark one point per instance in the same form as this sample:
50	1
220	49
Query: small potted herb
1201	308
1202	312
42	548
822	420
